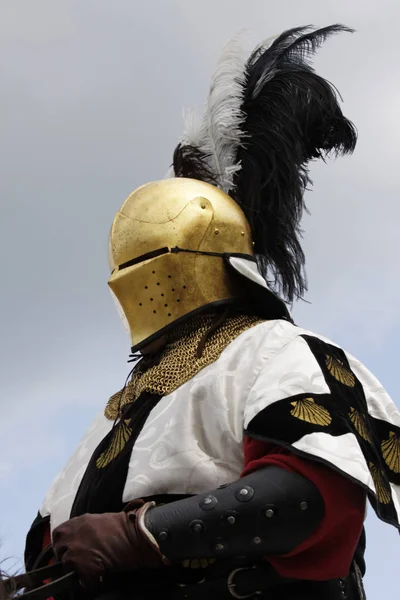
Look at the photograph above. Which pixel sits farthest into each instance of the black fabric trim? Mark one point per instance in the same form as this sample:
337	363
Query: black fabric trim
34	542
101	489
277	423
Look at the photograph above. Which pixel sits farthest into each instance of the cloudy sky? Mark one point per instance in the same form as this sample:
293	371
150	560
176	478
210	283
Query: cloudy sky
90	107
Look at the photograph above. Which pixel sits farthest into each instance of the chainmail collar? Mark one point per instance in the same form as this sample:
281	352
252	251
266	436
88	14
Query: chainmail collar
191	346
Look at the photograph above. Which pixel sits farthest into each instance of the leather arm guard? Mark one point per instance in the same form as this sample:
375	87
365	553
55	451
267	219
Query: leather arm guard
270	511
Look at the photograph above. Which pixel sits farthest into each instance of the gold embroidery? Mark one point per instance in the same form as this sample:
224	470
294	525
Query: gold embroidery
359	423
179	361
383	493
391	452
307	410
117	401
122	433
339	371
197	563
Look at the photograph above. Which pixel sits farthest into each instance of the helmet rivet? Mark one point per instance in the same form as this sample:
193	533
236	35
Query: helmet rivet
216	231
203	205
253	244
242	233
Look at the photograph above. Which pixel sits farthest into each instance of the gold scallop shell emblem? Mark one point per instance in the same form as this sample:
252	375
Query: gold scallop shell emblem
359	423
197	563
122	433
112	406
339	371
391	452
307	410
381	487
119	400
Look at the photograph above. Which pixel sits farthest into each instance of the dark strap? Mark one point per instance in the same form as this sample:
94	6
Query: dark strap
51	589
259	581
44	559
33	581
34	578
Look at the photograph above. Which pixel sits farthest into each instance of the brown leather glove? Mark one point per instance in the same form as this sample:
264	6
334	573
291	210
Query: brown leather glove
93	545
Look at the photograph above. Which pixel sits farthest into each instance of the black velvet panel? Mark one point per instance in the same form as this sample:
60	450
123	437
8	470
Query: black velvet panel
103	483
342	411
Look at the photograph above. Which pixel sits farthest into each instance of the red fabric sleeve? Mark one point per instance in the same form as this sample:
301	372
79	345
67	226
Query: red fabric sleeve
46	537
328	552
46	542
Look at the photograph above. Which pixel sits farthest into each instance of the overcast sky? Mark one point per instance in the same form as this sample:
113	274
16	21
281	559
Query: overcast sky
90	107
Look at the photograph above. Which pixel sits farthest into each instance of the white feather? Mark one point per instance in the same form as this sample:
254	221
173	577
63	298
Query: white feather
193	128
219	133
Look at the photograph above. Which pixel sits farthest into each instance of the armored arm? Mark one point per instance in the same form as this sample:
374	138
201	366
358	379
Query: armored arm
270	511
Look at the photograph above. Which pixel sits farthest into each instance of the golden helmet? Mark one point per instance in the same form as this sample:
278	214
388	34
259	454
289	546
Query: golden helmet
172	247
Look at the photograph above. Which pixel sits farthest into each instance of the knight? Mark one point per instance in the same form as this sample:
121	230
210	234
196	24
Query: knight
237	459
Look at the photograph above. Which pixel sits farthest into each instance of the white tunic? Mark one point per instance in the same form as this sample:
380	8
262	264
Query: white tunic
192	441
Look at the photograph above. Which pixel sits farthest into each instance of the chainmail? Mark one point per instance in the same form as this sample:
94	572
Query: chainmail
191	346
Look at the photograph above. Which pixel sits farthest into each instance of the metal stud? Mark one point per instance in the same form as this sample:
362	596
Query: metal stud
304	505
229	517
242	233
269	513
219	547
216	231
208	503
244	494
257	540
197	526
163	535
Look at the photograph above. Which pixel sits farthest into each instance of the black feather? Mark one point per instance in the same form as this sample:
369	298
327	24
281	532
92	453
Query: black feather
292	117
189	161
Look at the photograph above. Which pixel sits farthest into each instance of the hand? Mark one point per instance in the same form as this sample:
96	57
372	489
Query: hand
93	545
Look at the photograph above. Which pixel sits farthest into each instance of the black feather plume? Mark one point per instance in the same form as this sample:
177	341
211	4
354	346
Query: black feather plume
292	116
288	115
191	162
